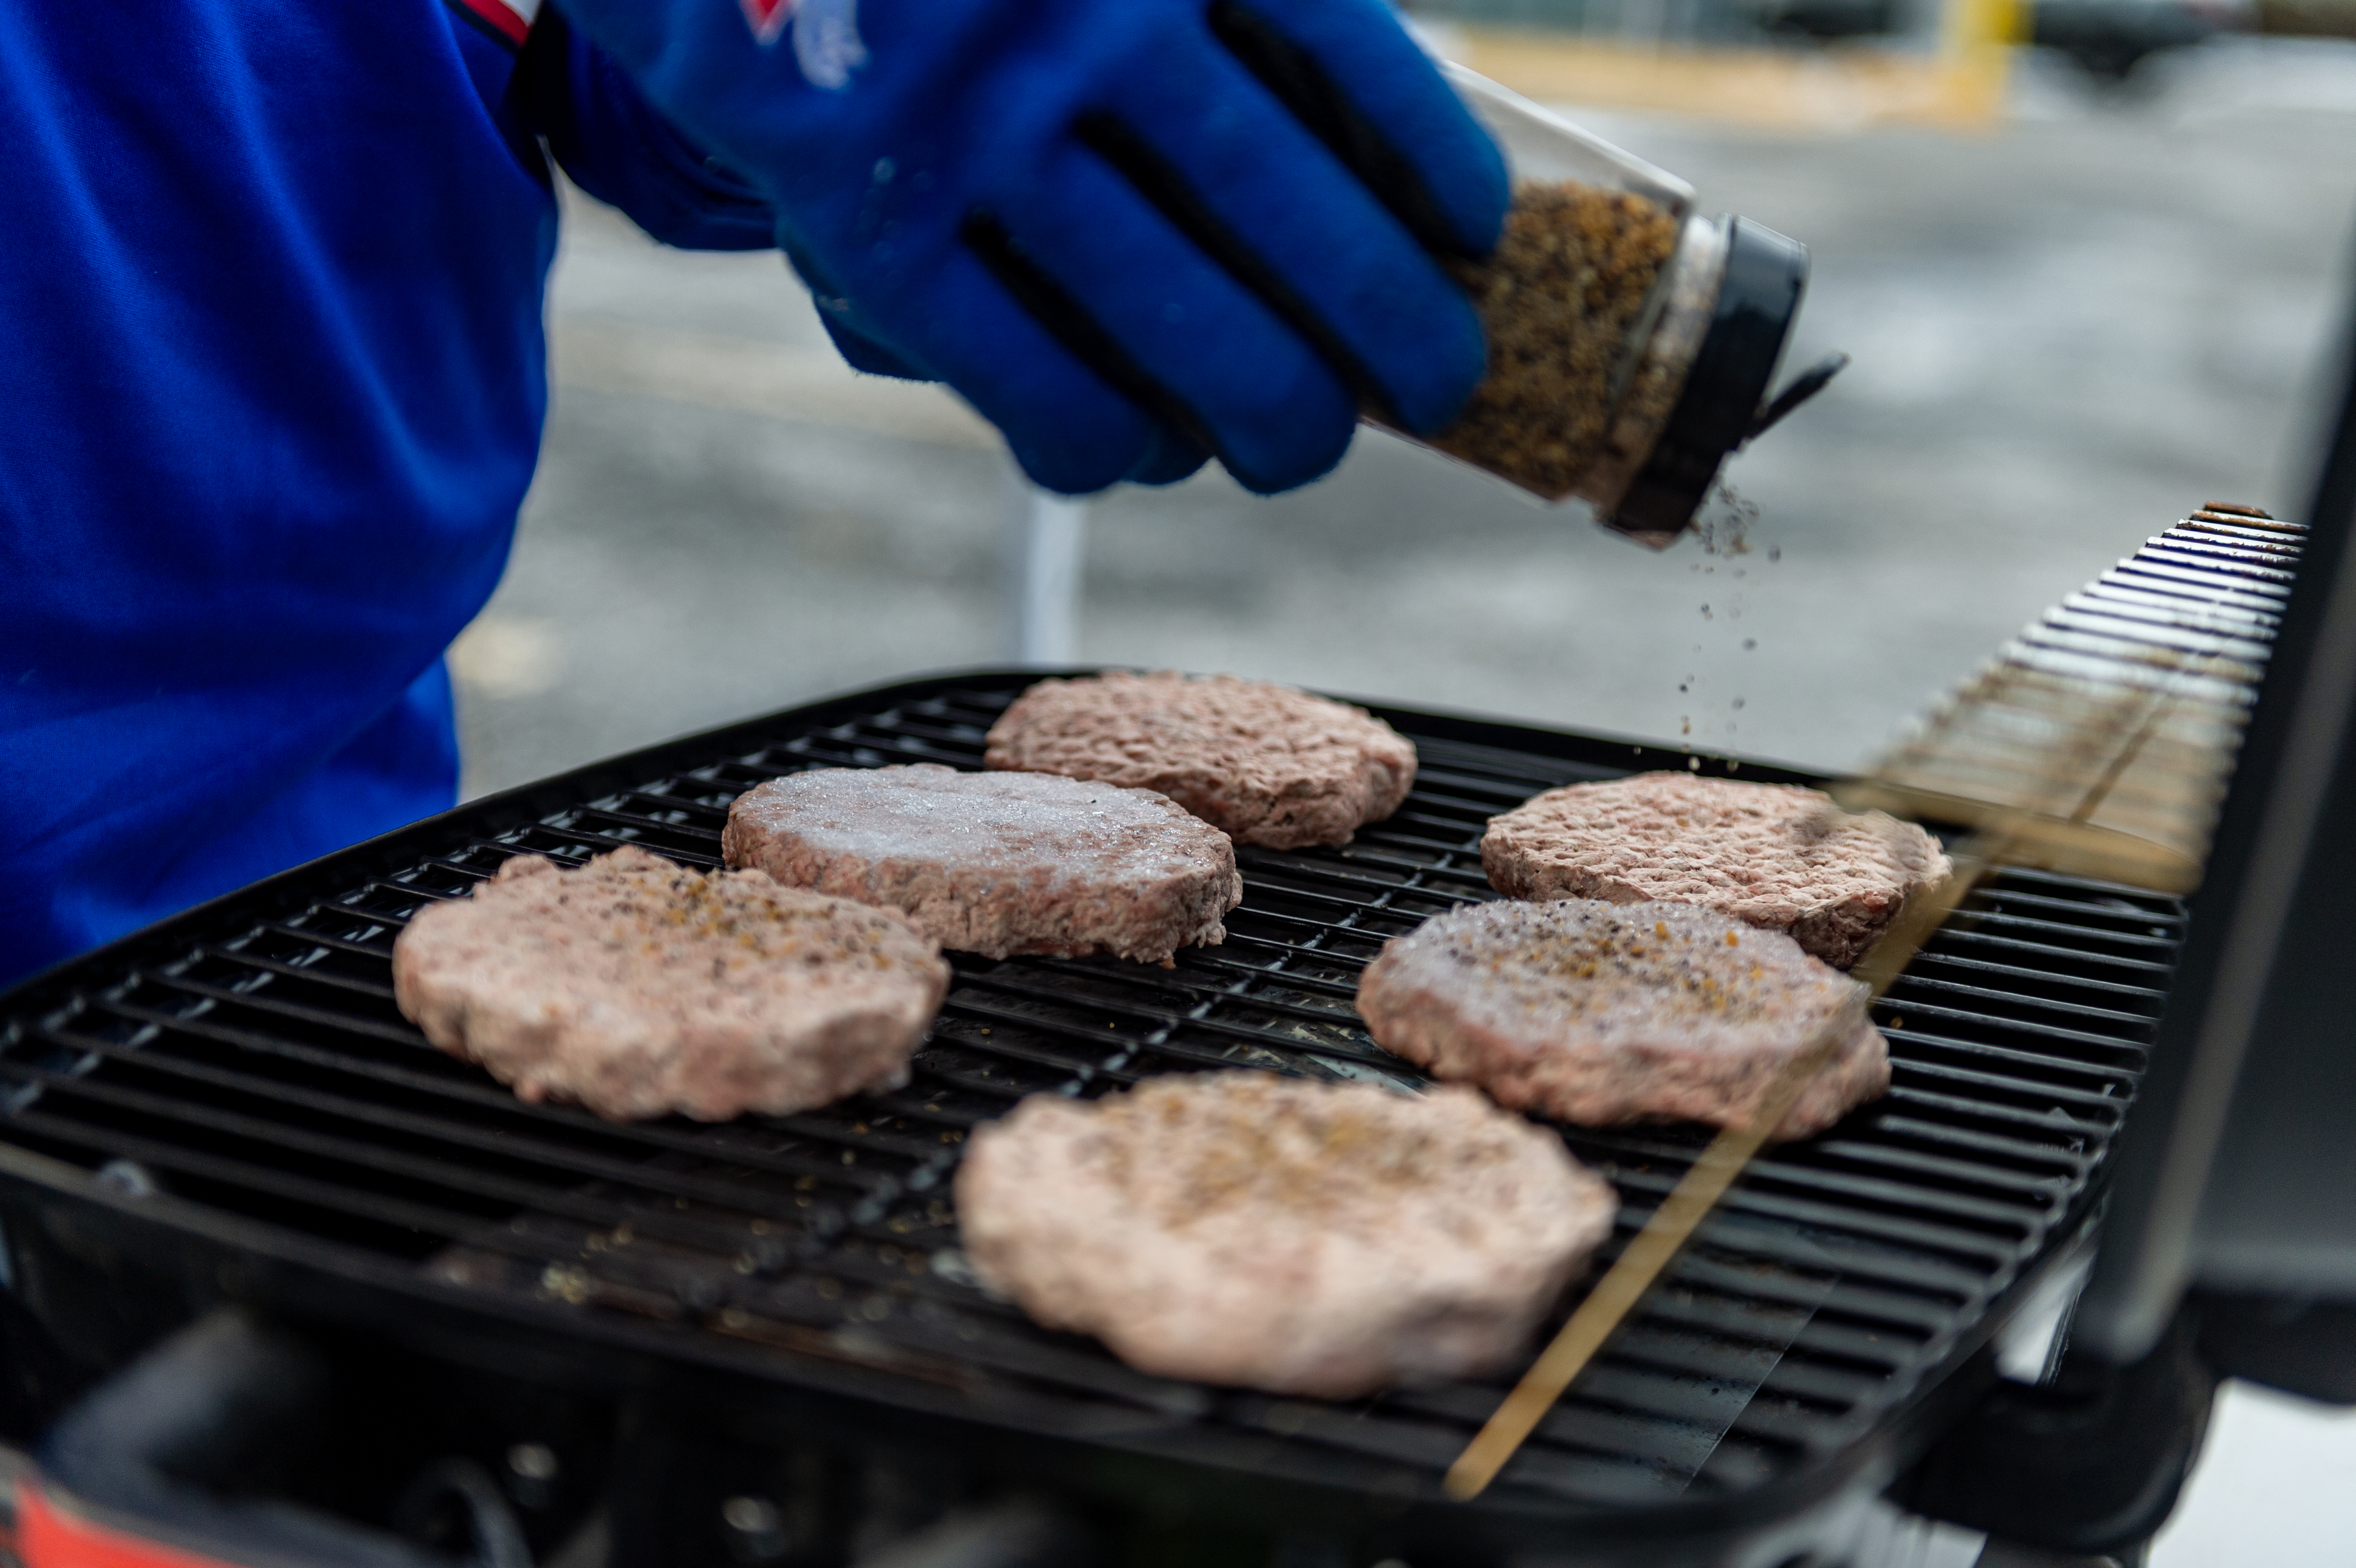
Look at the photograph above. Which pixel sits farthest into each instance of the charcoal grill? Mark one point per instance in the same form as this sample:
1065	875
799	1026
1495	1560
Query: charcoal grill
227	1107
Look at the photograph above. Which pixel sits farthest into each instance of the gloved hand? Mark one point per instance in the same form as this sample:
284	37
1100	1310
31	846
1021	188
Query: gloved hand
1131	232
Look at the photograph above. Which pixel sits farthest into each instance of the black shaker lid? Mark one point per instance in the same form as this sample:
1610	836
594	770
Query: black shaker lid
1766	273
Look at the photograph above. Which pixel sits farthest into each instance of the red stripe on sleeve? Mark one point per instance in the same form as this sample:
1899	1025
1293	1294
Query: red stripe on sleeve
509	21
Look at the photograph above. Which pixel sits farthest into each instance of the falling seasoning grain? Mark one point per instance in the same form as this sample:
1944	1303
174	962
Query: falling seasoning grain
1727	520
1568	281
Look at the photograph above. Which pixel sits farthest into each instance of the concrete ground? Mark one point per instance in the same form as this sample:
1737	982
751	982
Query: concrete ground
2067	332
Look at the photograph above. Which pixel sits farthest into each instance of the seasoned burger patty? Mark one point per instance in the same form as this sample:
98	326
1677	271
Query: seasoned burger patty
1303	1238
1776	856
637	987
997	863
1602	1013
1264	763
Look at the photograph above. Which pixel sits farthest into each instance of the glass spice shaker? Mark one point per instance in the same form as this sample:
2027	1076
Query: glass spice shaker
1631	342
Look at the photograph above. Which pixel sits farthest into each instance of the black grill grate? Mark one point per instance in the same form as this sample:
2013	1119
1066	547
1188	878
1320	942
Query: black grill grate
263	1071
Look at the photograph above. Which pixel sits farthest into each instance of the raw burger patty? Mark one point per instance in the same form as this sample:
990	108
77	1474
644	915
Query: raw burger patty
1602	1013
997	863
1776	856
637	987
1303	1238
1264	763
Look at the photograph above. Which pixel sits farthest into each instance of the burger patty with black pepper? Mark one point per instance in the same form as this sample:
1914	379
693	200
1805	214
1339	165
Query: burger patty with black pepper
1307	1238
1262	763
997	863
1778	857
635	987
1604	1013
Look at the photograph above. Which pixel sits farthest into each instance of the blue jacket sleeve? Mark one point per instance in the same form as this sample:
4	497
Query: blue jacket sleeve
617	148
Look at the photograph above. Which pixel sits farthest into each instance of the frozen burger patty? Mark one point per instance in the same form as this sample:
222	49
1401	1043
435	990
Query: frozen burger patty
1602	1013
997	863
636	987
1240	1228
1267	764
1775	856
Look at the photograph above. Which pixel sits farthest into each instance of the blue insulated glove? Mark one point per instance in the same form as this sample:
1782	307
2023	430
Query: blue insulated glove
1131	232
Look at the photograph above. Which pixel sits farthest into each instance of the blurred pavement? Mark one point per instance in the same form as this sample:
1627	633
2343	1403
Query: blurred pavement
2066	333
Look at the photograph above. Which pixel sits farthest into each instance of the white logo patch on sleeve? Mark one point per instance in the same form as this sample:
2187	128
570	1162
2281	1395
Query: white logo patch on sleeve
827	44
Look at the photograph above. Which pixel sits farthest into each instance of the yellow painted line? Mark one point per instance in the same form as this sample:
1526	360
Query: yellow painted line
1960	86
745	375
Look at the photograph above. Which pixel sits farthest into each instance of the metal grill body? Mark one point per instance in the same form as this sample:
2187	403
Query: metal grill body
236	1087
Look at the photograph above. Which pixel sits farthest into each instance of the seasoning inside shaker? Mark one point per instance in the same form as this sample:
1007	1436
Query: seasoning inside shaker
1558	297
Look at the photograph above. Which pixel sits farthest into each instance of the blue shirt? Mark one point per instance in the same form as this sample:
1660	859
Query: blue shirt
271	381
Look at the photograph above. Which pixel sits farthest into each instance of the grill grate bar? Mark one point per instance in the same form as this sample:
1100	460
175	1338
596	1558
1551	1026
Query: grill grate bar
1372	1057
593	844
496	1193
2036	1192
335	943
1975	1051
1810	1166
507	1146
2155	922
2002	1083
374	1208
1921	988
1182	982
2016	1151
1996	971
262	1002
308	975
2159	575
2113	963
2236	568
1757	1199
458	1091
2058	1123
1998	1024
638	822
1996	920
